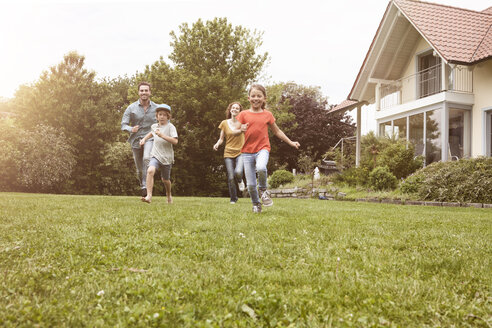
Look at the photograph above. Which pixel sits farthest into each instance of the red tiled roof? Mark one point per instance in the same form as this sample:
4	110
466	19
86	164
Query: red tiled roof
344	105
488	10
459	35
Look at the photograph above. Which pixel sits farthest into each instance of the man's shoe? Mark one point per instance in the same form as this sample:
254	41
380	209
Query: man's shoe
265	198
257	208
144	193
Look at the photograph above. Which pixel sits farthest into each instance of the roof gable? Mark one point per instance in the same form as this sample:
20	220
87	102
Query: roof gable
456	34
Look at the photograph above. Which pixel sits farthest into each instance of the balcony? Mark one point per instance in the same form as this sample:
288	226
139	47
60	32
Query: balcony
425	83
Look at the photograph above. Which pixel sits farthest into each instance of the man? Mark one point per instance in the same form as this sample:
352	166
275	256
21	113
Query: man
137	119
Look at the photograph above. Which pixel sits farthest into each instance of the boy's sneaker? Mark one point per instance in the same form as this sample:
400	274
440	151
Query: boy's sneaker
144	193
265	198
241	186
257	208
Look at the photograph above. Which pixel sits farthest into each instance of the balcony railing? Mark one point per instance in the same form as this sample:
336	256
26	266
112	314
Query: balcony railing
426	83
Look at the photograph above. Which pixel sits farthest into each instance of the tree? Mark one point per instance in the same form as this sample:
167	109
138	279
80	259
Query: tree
68	98
302	113
213	63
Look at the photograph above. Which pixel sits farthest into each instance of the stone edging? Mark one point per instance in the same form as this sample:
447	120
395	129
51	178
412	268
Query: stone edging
425	203
303	193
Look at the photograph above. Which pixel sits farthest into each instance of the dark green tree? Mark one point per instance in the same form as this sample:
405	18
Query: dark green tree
302	113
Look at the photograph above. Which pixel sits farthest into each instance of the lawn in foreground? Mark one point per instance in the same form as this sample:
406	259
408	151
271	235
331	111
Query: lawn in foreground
114	261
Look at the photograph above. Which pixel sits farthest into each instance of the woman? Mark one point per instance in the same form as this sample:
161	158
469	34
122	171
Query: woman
232	151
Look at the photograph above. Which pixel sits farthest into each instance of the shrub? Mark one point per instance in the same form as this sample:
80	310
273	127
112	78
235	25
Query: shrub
280	177
118	176
8	162
354	176
381	178
47	159
11	156
399	159
466	180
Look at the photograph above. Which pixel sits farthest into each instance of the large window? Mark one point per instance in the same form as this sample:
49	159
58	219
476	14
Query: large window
425	132
458	133
433	142
490	134
385	129
417	133
400	128
429	75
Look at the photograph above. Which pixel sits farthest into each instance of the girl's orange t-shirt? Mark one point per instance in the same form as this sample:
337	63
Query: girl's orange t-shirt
256	136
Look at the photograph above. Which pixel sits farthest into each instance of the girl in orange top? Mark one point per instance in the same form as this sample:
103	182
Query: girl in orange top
254	122
232	152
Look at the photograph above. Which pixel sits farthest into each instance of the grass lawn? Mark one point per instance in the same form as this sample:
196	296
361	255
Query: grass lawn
99	261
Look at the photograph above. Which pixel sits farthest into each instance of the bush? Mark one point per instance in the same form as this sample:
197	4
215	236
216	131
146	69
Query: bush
399	159
354	176
280	177
381	178
47	160
118	176
466	180
11	156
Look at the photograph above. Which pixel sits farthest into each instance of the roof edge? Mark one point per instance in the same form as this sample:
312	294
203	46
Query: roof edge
370	48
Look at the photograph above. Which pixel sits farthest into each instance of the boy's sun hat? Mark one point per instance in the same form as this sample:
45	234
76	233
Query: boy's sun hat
163	107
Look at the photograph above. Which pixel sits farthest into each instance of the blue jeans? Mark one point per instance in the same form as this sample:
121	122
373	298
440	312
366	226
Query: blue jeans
234	168
141	156
256	163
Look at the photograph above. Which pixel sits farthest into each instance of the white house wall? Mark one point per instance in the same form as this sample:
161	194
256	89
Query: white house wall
482	88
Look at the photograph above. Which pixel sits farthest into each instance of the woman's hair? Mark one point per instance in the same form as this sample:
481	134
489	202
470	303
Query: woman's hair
260	88
228	110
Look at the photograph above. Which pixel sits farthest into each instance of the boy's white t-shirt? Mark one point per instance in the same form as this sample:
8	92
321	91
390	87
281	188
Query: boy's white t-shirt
162	149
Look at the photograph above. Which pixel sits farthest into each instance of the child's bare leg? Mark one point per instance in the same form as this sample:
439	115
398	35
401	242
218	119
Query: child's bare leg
150	184
167	185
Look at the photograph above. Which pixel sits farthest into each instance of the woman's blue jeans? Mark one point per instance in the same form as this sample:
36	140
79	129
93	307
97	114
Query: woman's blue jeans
256	163
234	168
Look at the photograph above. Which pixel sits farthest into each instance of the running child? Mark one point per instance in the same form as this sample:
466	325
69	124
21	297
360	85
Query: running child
165	136
254	122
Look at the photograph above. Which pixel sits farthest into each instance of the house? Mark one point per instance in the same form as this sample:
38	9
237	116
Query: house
428	73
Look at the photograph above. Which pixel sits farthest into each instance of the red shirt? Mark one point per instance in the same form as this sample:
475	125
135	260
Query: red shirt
256	136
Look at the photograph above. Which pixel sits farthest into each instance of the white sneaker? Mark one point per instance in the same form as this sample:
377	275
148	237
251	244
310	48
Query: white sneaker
265	198
257	208
241	186
233	202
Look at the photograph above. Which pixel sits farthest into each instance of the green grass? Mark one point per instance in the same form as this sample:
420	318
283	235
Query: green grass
204	263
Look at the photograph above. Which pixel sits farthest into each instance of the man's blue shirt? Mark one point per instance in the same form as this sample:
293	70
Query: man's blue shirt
136	115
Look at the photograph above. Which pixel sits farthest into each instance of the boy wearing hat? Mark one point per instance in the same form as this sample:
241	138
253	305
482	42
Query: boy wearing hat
165	136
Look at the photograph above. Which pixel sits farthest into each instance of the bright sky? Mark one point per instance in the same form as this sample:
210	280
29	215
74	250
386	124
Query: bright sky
310	42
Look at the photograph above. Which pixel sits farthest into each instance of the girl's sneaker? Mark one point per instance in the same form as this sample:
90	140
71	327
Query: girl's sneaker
265	198
257	208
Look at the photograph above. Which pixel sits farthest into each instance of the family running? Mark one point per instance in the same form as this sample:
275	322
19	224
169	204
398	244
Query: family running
246	151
